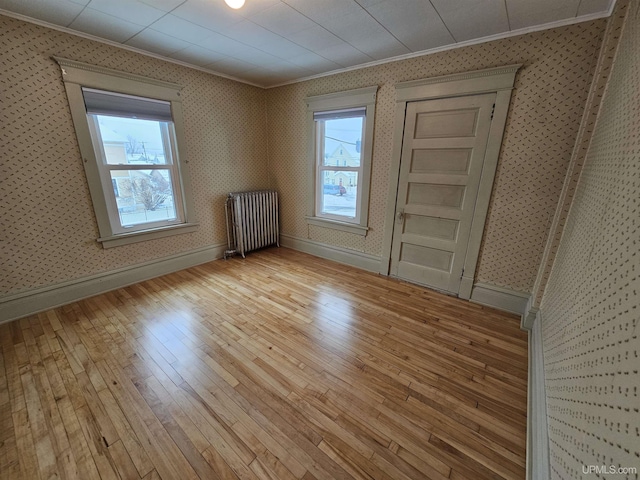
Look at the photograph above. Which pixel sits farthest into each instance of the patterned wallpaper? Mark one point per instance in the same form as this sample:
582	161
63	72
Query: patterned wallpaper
47	227
600	78
591	306
551	90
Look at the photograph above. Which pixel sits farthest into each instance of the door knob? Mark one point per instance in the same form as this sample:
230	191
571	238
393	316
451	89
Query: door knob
400	216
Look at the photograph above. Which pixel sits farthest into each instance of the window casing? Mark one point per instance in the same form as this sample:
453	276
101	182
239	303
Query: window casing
130	133
341	126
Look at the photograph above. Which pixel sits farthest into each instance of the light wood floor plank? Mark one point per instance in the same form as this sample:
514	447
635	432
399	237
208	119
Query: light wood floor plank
278	366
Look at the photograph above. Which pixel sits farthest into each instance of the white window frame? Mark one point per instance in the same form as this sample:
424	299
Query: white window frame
321	168
351	99
167	132
77	75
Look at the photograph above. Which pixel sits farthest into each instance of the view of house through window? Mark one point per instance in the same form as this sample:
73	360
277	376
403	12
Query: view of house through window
138	159
340	164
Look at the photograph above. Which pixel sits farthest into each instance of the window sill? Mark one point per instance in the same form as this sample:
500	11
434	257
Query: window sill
338	225
145	235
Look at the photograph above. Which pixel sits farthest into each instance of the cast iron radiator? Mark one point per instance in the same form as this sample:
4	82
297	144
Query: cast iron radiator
252	221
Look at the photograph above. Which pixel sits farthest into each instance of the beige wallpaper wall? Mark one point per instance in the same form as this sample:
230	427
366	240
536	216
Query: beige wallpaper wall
47	228
592	107
545	113
591	306
47	225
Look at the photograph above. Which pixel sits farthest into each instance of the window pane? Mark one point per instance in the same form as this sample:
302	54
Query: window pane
339	193
132	141
342	142
143	196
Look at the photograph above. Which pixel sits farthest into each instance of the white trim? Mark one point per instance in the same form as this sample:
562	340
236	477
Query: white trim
500	298
74	71
330	252
145	235
537	463
444	48
338	225
477	81
497	79
20	305
359	97
530	314
454	46
77	75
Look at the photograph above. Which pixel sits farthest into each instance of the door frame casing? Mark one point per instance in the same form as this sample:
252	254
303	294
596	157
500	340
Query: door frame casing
499	80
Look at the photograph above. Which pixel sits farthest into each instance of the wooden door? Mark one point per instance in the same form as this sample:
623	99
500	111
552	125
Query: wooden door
442	156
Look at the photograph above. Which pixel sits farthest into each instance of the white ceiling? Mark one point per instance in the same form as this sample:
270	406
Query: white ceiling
269	42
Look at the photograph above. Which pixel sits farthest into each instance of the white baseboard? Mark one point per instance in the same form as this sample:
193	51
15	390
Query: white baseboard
365	261
538	465
20	305
500	298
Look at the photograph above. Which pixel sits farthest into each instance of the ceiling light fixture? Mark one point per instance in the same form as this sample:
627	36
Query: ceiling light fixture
234	3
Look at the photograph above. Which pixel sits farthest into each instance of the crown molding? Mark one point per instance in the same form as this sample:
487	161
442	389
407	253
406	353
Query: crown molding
444	48
454	46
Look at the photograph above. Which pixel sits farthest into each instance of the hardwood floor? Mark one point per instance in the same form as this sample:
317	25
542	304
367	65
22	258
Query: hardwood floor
281	366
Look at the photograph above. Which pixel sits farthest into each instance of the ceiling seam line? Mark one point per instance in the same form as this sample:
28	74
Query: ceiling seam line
76	17
155	21
325	28
443	22
385	28
506	10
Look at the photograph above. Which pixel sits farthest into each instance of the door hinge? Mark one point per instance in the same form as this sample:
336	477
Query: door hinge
462	274
493	109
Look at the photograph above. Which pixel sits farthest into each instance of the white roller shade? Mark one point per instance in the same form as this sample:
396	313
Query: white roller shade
335	114
100	102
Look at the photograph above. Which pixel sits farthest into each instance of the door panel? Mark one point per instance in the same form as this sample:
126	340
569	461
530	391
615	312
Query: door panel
426	257
451	123
431	227
435	195
442	154
438	160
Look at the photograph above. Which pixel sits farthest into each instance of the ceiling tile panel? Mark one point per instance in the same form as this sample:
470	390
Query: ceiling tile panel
130	10
157	42
214	15
525	13
325	10
315	38
164	5
198	56
344	55
253	7
105	26
365	33
468	19
180	28
231	66
250	54
219	43
314	63
252	34
58	12
282	19
274	41
413	22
